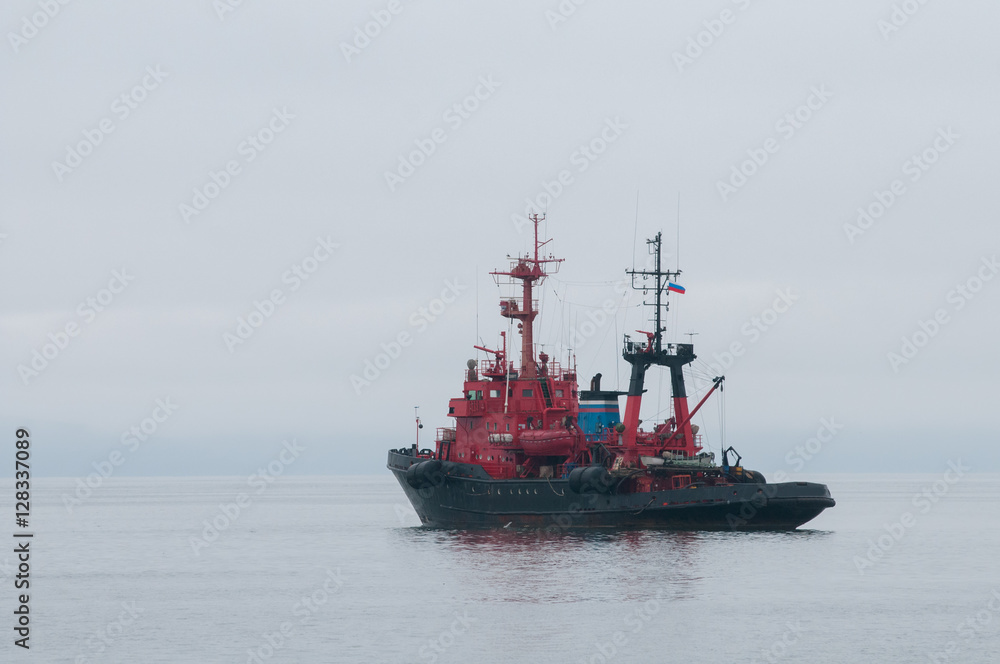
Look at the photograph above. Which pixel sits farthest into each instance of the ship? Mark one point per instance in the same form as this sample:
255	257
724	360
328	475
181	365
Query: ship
529	449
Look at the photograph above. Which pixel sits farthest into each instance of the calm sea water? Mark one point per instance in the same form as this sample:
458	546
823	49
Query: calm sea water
336	570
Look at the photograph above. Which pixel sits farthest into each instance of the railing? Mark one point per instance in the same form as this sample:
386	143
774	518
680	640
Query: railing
609	436
491	368
553	369
634	347
515	305
668	440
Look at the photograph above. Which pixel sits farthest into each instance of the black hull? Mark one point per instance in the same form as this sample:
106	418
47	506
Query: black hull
472	500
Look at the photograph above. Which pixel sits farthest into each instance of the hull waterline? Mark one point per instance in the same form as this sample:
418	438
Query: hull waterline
476	502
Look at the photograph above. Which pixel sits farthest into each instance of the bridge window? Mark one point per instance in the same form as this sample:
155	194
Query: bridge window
527	392
559	393
494	394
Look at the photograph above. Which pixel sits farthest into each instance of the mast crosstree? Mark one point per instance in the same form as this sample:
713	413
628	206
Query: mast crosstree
530	269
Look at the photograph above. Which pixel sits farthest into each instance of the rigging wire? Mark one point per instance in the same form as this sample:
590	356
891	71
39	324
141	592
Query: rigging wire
659	393
617	369
607	282
606	333
678	247
635	231
506	369
709	375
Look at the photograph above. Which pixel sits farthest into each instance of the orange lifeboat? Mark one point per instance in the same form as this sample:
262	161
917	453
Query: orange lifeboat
547	442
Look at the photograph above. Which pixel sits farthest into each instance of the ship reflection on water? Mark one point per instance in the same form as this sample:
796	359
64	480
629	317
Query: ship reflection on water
539	566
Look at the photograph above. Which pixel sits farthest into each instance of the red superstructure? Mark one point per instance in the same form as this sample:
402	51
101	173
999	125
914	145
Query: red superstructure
520	421
511	419
530	449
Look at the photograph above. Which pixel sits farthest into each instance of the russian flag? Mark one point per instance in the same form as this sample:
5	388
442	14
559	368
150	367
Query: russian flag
671	286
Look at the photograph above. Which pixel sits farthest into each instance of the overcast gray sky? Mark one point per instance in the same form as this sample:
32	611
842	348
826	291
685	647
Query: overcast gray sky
120	120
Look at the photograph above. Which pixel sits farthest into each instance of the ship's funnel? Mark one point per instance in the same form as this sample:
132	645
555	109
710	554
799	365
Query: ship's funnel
598	410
